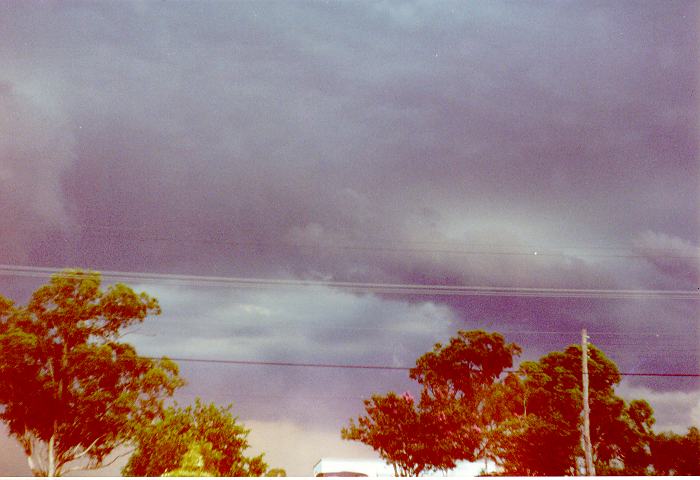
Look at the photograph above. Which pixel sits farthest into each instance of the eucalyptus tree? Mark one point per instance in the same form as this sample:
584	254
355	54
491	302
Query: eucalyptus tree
70	391
451	420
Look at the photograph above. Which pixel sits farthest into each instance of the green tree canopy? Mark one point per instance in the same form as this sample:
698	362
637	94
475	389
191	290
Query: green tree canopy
546	404
449	422
208	435
192	463
276	472
674	454
399	431
528	422
69	390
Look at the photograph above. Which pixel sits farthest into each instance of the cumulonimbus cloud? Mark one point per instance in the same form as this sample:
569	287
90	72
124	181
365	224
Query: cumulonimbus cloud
36	149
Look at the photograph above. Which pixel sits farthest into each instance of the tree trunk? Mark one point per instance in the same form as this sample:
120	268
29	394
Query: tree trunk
51	471
32	466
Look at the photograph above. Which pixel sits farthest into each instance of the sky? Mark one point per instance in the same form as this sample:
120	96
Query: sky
547	144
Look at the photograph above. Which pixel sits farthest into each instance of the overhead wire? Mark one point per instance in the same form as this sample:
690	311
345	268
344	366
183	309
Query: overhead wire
591	333
30	271
365	287
379	367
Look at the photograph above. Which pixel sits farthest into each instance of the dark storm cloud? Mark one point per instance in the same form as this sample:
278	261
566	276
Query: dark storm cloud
247	122
35	150
683	265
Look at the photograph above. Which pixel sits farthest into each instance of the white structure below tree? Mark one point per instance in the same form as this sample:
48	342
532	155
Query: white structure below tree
356	467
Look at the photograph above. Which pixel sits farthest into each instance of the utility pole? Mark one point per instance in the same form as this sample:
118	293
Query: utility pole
587	447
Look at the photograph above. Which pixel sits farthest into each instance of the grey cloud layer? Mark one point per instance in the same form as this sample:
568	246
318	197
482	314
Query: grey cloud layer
231	138
35	149
307	326
265	138
246	121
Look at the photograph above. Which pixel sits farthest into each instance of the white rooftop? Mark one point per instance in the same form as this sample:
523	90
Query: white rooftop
378	468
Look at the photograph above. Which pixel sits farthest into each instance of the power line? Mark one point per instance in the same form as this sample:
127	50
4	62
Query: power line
378	367
286	364
238	397
594	333
365	287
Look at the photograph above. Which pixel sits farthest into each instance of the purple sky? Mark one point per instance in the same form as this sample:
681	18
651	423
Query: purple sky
404	142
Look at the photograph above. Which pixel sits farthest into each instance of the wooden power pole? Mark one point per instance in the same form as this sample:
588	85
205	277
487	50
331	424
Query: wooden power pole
587	447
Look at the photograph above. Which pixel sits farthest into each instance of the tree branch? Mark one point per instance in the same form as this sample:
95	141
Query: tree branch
121	455
99	465
35	458
85	452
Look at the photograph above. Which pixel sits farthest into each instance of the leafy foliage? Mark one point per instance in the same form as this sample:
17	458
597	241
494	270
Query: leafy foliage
528	422
675	454
68	388
205	431
276	472
192	464
545	417
447	424
397	430
529	445
459	383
